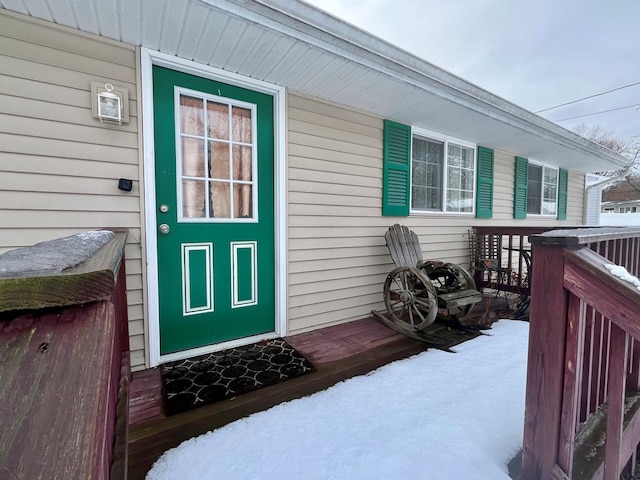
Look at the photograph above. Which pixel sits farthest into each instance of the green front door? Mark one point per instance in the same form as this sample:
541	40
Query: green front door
214	161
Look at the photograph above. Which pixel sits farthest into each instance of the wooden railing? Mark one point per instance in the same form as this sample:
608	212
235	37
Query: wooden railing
583	377
64	361
515	256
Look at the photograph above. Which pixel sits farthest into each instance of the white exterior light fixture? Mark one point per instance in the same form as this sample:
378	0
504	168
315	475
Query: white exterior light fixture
109	105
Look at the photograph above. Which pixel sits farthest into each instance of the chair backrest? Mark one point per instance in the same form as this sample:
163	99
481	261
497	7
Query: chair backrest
403	246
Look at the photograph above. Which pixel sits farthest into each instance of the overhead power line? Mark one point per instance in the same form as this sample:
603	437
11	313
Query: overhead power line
597	113
586	98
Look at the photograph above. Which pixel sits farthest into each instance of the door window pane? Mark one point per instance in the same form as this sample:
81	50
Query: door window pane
241	125
242	201
242	163
191	115
218	117
220	200
193	157
219	160
193	199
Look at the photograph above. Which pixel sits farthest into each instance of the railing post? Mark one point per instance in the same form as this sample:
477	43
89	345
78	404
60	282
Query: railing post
545	366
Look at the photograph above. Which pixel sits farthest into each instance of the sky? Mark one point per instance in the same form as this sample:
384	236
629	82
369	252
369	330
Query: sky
435	416
536	54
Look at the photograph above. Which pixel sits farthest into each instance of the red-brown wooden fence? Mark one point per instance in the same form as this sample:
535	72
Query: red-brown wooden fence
584	355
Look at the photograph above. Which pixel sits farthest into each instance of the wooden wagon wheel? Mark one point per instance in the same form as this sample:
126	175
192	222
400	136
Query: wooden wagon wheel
449	277
410	298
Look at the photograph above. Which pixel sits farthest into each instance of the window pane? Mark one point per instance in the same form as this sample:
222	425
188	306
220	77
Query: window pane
242	163
241	125
454	155
466	180
548	208
418	173
219	160
467	158
435	153
220	200
434	199
550	189
242	201
434	176
550	175
453	182
453	201
419	197
191	116
534	189
218	118
193	199
192	157
466	201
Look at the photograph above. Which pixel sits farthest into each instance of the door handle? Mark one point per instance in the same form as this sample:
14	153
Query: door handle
164	229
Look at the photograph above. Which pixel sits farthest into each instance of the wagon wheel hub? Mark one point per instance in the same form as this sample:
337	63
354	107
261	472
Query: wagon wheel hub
407	297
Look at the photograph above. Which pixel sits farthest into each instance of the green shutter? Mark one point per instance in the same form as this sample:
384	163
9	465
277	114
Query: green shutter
484	194
520	188
563	183
397	169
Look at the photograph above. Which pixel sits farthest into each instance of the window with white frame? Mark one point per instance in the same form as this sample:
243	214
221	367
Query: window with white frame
628	209
542	190
442	175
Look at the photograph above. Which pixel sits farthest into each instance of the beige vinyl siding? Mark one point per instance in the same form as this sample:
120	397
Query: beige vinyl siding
59	167
504	174
337	256
575	198
338	260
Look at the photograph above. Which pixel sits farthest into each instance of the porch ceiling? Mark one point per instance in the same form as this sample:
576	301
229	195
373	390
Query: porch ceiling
311	53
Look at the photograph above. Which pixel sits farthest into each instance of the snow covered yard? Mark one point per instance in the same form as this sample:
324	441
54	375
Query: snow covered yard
433	416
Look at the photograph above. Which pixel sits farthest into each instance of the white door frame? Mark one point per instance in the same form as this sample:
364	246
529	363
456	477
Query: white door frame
148	59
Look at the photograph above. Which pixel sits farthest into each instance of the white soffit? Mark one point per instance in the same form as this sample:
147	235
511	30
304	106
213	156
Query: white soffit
311	53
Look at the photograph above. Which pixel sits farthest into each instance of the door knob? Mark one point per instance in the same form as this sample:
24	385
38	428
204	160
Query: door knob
164	229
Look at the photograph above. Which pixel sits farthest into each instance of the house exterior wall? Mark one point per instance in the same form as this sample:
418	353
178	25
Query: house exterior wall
59	167
337	256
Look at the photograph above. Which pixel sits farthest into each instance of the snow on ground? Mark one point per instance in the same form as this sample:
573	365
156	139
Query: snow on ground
433	416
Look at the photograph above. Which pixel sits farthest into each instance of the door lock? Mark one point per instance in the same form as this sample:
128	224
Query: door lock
164	229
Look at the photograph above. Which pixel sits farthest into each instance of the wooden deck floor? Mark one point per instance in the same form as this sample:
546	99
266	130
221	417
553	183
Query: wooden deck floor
338	353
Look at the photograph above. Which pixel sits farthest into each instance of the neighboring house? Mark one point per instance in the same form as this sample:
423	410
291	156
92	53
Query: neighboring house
266	216
621	203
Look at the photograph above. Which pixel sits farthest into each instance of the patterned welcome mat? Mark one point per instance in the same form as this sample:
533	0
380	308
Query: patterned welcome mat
216	376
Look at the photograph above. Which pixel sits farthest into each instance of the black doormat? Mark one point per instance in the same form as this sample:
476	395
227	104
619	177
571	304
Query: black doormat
217	376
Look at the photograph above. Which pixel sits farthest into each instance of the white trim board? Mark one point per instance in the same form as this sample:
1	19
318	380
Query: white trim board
148	59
